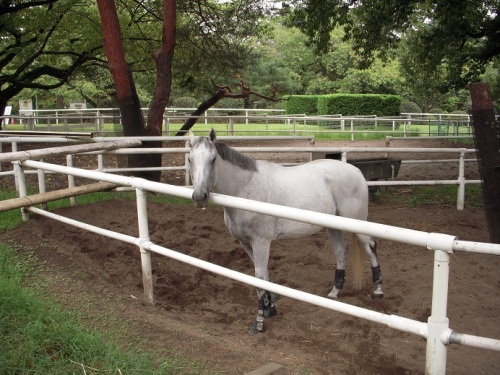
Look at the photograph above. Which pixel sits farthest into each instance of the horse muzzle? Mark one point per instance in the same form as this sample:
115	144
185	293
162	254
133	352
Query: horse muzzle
200	199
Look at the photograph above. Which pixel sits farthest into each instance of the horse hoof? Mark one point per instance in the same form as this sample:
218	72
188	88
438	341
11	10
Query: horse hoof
256	328
378	296
333	294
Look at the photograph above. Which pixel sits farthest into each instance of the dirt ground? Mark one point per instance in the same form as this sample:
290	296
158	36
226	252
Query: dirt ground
205	317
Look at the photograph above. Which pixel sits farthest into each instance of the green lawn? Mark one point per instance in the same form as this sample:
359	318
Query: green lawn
37	336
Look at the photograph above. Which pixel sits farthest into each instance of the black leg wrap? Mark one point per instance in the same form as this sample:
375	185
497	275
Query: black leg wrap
266	310
377	275
269	308
339	279
257	326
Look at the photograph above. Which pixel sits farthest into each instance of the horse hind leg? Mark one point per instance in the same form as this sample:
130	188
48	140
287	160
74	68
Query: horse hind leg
338	242
369	245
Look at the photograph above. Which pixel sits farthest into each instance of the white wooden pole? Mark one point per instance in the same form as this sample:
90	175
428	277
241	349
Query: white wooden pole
41	184
100	162
21	183
147	273
461	181
14	149
71	179
438	324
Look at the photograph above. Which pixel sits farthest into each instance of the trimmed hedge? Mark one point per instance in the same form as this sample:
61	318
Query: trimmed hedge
359	104
344	104
301	104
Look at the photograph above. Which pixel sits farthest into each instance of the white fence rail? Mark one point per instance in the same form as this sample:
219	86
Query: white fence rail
461	156
436	330
107	121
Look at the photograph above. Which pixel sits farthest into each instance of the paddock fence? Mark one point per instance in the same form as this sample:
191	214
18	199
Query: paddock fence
459	156
436	331
237	121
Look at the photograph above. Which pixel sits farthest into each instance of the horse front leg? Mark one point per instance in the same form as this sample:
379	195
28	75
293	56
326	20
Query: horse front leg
265	299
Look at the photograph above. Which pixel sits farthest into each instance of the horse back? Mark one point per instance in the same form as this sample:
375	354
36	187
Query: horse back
323	185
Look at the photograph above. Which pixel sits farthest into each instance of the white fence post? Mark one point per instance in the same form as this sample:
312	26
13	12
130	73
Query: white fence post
231	126
142	217
21	184
461	181
187	176
14	149
71	179
42	188
438	324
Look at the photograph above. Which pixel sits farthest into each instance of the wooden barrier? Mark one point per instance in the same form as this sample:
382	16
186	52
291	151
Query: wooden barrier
50	196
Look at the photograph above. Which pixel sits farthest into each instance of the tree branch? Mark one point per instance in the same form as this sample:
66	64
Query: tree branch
224	92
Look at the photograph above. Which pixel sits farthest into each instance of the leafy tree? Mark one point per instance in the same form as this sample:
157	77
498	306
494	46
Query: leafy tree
425	84
339	70
40	47
463	34
492	77
212	20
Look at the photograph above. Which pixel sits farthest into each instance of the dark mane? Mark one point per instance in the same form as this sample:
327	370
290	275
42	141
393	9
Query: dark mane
234	157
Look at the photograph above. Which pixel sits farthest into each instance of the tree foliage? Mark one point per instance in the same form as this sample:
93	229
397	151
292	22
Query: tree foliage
40	47
462	34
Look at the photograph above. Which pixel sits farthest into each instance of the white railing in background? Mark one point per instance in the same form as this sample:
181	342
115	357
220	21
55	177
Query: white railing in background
236	121
461	159
436	331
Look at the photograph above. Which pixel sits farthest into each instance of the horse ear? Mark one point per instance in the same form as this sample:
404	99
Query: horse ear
213	136
191	137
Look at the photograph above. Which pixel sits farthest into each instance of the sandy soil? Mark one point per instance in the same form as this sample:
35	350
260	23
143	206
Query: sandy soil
206	317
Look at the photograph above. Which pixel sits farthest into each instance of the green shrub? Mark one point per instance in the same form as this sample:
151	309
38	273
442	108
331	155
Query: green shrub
359	104
301	104
410	107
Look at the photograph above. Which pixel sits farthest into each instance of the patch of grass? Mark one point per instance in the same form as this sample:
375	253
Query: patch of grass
416	196
12	218
39	337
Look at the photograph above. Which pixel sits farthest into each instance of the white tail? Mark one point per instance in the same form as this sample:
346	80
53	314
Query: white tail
358	260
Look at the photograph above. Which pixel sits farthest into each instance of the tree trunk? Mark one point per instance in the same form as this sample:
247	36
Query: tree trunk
487	138
163	57
126	93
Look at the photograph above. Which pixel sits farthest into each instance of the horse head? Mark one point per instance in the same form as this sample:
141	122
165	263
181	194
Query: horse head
202	166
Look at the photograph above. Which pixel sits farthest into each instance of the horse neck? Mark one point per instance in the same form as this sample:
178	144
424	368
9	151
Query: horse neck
230	178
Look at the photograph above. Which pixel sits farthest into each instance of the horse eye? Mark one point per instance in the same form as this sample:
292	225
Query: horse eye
189	159
213	160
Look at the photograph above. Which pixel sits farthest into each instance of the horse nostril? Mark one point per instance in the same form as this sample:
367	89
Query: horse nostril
200	198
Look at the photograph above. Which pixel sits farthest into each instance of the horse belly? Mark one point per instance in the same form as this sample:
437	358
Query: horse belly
289	229
245	225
